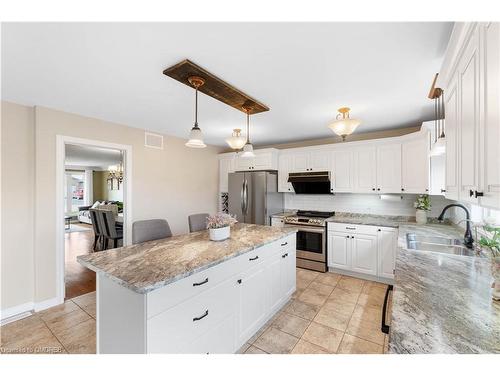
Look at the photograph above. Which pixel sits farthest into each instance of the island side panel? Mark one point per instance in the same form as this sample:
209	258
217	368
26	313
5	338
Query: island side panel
121	318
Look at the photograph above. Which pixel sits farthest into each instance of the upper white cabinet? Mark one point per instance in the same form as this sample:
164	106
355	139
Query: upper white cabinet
489	157
265	159
310	161
389	168
471	80
226	166
415	165
284	167
365	170
342	171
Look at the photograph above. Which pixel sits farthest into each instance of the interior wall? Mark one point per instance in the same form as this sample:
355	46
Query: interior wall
362	204
171	183
18	189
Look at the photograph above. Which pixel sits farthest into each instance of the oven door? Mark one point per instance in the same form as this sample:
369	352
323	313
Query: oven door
310	243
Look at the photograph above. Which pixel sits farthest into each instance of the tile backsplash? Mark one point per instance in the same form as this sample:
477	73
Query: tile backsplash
362	204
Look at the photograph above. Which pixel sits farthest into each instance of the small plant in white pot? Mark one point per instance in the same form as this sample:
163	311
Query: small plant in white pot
491	242
219	226
422	204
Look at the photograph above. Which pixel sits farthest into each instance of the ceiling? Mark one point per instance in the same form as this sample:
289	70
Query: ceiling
88	156
302	71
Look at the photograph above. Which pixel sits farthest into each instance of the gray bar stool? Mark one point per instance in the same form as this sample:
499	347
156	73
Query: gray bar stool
149	230
197	222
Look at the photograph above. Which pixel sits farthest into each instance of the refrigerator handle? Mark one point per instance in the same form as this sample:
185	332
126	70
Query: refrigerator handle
246	196
243	197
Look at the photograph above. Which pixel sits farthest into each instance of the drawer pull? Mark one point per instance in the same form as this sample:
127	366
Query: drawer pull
284	244
200	317
284	255
350	228
385	327
239	281
203	282
254	258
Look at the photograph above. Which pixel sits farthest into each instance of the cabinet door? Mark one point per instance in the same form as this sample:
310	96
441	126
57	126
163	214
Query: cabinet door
342	167
276	281
218	340
386	243
263	161
284	167
288	273
277	222
389	168
451	155
468	75
490	158
253	302
364	253
339	250
365	170
244	164
319	161
226	166
300	162
415	166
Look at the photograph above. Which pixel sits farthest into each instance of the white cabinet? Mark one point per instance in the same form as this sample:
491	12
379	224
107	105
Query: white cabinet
468	78
284	167
265	159
362	250
489	149
386	250
451	156
389	168
277	222
365	170
282	281
364	253
310	161
226	166
415	165
342	171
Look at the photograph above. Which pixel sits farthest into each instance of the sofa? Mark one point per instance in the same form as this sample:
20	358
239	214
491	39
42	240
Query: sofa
84	213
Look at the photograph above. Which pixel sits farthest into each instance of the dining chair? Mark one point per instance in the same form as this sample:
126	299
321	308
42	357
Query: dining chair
149	230
111	231
197	222
98	234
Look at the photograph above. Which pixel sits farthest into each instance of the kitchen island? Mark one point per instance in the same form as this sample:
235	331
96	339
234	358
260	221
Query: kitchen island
187	294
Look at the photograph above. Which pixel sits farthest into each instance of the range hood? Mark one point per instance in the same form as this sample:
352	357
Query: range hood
310	182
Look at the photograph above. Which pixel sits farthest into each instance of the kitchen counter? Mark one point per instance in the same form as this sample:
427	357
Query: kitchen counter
151	265
442	303
365	219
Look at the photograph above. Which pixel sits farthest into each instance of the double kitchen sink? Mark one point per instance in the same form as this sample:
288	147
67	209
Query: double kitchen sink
437	244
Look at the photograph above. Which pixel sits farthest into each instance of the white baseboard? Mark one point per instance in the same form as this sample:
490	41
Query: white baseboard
14	313
48	303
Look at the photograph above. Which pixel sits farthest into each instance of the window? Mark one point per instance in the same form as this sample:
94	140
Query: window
74	193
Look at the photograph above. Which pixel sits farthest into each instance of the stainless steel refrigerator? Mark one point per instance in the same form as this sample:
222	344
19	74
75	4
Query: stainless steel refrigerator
253	196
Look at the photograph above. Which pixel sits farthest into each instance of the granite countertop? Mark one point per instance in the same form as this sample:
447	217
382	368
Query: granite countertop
151	265
284	214
442	303
365	219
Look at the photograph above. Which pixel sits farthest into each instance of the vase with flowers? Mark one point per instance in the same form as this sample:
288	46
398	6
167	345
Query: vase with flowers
219	226
491	243
422	204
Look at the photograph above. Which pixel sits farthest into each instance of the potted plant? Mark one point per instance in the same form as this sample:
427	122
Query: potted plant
219	226
491	242
422	204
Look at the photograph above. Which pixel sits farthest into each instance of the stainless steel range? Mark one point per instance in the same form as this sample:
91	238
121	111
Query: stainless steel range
311	238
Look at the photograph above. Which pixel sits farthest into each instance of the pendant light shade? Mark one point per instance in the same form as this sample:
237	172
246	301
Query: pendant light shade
236	141
196	136
344	125
248	147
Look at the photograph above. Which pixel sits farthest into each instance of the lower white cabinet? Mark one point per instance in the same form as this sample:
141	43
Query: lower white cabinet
213	311
362	249
277	222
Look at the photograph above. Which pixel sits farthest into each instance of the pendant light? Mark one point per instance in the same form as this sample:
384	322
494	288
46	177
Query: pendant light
236	141
248	147
439	146
344	125
196	136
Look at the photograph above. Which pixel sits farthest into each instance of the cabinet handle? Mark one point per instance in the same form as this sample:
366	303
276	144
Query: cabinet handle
352	236
254	258
239	281
426	189
478	194
373	189
351	228
284	244
200	317
378	189
201	283
347	236
380	230
471	193
443	190
284	255
402	189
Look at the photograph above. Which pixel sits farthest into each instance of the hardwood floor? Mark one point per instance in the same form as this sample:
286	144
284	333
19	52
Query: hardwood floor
79	280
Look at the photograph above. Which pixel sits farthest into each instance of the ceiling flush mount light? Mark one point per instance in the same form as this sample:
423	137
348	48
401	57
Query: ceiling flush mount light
248	147
236	141
344	125
196	136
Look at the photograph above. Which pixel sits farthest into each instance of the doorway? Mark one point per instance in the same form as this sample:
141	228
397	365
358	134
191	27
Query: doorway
90	175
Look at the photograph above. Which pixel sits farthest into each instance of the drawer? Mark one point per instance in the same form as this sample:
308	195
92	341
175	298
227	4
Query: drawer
170	295
352	228
287	243
169	331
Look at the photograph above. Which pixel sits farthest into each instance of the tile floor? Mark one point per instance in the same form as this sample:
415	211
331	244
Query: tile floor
328	313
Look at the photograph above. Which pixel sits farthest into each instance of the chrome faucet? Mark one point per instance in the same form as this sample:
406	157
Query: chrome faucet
468	239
